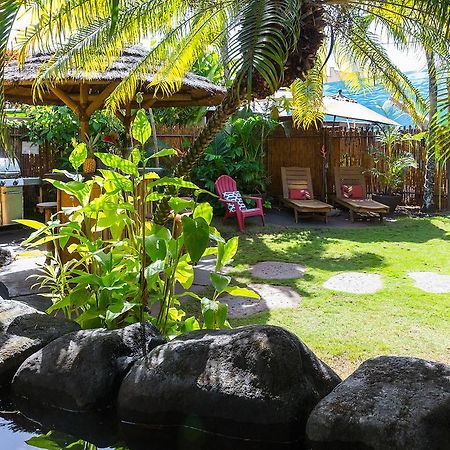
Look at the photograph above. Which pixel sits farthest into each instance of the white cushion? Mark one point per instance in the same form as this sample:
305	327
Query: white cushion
234	196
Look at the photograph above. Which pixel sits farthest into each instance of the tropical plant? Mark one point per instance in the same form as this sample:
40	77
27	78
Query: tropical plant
238	151
122	267
392	163
55	440
273	43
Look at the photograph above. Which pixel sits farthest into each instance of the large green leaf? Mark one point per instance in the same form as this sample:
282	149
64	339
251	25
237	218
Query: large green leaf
237	291
141	129
153	270
226	252
117	309
184	274
34	224
155	247
178	204
175	182
204	210
80	190
116	162
164	152
78	155
53	440
196	236
219	282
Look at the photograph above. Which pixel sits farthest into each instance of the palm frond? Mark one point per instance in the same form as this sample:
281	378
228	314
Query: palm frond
8	13
357	45
307	95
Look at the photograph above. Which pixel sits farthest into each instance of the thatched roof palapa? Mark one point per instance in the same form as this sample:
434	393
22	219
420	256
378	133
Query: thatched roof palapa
85	94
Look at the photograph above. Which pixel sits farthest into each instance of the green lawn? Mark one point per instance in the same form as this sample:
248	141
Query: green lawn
345	329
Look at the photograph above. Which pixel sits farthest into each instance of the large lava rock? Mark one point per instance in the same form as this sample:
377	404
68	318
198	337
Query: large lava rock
23	331
389	403
82	371
251	382
4	292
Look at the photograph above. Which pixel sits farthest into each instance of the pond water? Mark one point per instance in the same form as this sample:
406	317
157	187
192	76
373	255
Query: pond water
24	428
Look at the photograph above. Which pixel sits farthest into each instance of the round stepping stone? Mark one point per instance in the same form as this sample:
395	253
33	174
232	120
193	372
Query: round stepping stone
275	270
272	297
355	283
431	282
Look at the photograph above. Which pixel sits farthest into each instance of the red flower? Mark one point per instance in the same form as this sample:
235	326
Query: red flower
108	139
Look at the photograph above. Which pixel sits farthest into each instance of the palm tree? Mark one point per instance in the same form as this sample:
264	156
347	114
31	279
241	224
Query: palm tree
270	43
8	13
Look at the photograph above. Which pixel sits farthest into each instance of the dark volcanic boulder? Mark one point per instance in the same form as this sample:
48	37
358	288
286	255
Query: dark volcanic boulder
4	293
251	382
82	371
23	331
389	403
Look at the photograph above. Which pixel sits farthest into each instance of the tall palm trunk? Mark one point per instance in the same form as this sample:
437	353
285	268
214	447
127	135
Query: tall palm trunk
220	117
430	169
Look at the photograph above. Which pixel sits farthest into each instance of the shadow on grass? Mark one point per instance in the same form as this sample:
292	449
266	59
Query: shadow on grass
414	230
308	252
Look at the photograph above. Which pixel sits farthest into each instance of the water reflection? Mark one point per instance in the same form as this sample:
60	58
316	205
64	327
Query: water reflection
25	428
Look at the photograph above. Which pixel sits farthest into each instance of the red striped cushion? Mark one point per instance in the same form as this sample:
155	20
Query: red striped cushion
355	191
299	194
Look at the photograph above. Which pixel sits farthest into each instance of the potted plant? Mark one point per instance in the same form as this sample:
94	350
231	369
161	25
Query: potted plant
391	166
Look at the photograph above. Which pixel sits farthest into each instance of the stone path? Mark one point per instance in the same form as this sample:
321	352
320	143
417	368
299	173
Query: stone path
431	282
16	275
355	283
272	297
274	270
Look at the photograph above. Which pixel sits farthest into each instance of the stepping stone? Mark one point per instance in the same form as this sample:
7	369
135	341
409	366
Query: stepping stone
431	282
272	297
355	283
17	276
275	270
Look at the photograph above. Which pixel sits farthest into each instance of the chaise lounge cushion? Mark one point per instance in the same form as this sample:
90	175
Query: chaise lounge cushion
299	194
352	191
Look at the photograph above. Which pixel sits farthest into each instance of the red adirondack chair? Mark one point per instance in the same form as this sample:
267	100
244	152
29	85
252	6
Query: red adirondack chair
228	194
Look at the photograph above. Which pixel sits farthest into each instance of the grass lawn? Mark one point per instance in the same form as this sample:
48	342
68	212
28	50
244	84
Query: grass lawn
345	329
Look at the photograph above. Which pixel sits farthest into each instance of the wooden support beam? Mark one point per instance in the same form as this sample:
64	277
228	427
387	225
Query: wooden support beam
148	103
66	100
100	99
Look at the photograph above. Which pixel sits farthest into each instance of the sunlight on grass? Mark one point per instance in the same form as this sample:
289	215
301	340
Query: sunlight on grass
345	329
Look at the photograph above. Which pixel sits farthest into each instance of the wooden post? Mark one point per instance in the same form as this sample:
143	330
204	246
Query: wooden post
84	118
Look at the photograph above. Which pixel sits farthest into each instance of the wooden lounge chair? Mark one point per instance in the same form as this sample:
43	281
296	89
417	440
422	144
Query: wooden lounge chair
299	178
353	176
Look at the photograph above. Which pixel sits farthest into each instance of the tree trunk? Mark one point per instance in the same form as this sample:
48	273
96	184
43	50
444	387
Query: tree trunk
430	169
218	120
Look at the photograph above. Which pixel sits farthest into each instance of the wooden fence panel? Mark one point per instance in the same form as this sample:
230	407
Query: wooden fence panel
344	147
299	148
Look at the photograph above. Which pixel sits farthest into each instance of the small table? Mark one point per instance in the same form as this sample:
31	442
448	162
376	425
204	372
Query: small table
48	208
